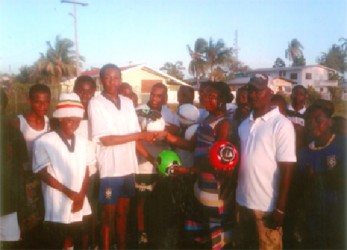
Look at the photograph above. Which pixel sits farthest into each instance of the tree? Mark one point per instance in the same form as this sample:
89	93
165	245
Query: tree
299	61
279	63
344	43
312	95
217	54
335	58
174	69
26	74
197	63
58	62
294	50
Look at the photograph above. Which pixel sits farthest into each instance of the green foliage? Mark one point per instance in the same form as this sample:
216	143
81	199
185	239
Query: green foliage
294	50
279	63
299	61
336	93
312	95
208	58
335	58
174	69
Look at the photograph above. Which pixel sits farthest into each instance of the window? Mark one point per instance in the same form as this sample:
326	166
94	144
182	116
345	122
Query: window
308	76
282	73
293	76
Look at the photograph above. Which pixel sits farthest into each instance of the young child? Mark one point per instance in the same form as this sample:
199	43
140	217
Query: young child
32	125
61	159
85	88
322	167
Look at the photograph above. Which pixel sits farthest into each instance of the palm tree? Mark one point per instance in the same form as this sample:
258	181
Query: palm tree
294	50
217	55
58	62
344	43
198	60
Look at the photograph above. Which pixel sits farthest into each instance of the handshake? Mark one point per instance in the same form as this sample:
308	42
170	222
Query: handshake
152	136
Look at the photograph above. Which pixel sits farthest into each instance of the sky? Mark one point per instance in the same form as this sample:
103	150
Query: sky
154	32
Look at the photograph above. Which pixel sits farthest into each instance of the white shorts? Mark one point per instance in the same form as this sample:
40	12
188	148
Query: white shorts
9	228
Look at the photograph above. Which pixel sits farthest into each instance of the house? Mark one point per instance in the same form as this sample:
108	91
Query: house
281	84
141	78
317	76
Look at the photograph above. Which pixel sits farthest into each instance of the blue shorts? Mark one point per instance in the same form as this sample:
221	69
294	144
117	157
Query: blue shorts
113	188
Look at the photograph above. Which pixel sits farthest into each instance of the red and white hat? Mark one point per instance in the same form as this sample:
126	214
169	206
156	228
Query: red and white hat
69	105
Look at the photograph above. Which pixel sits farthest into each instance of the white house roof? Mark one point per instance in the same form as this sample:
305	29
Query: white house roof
290	68
95	72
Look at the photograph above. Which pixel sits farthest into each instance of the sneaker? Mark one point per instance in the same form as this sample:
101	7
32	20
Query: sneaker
143	239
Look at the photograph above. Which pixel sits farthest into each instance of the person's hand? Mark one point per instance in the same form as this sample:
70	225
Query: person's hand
148	136
159	135
277	217
77	203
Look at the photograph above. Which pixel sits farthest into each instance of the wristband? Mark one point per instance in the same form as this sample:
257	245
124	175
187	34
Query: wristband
279	211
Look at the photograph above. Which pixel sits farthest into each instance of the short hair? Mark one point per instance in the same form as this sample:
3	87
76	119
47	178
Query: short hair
297	87
223	90
82	79
108	66
161	86
317	106
124	85
38	88
328	105
187	93
4	99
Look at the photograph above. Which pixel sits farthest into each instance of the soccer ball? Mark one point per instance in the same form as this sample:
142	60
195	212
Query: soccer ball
223	155
166	161
188	114
150	120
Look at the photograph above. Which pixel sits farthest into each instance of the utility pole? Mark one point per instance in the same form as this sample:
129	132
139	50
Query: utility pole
74	15
236	46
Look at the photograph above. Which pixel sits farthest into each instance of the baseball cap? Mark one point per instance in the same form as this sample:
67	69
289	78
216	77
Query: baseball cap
261	81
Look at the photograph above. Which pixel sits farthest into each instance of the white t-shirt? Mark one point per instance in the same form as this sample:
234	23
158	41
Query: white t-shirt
30	135
68	168
106	119
84	131
265	141
297	119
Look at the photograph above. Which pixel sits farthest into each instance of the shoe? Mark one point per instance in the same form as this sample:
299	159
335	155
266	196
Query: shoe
143	239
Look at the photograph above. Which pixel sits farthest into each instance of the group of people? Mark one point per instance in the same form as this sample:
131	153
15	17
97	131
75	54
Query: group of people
88	176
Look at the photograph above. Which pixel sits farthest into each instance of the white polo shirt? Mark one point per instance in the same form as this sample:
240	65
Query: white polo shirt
106	119
69	168
265	141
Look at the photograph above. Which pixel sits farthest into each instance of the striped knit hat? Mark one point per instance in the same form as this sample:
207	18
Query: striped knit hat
69	105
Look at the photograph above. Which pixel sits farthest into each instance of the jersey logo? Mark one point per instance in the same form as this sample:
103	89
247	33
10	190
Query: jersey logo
108	193
331	161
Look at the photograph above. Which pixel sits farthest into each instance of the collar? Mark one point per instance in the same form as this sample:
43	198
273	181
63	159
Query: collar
117	102
70	147
312	145
273	112
301	111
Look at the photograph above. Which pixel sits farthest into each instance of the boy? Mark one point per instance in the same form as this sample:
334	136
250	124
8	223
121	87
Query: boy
115	126
32	125
61	159
322	167
85	88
